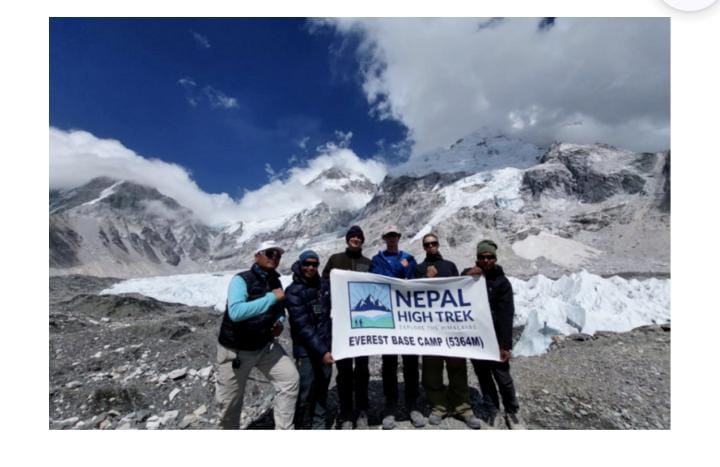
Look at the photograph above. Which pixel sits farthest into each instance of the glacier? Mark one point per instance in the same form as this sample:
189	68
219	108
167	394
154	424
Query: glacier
580	302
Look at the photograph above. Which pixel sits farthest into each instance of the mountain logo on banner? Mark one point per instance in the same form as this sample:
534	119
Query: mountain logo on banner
370	305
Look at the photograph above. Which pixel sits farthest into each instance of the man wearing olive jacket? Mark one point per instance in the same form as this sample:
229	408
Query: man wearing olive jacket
353	375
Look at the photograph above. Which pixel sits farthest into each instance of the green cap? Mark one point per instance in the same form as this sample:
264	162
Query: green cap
487	246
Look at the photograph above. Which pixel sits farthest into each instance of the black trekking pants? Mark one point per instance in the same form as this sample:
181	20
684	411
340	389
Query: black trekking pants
490	373
351	380
411	375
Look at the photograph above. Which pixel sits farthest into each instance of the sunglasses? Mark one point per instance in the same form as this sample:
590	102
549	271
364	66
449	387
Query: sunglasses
429	244
309	264
486	257
392	235
272	253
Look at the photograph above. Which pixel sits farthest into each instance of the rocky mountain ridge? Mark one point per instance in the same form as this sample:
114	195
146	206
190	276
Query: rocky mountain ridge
551	210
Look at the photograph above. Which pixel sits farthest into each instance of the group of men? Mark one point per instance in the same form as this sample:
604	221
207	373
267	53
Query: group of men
255	316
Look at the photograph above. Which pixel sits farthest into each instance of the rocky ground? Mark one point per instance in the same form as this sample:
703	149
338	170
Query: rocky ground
131	362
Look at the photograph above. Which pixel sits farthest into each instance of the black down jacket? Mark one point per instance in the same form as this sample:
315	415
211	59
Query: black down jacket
310	325
502	305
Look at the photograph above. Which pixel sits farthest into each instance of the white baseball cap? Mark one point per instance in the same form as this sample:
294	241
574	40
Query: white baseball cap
268	244
391	229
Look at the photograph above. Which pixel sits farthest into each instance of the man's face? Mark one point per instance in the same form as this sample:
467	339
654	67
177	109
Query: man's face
486	261
309	267
354	242
392	239
268	259
431	245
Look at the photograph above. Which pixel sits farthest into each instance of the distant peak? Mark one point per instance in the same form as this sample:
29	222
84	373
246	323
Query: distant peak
485	149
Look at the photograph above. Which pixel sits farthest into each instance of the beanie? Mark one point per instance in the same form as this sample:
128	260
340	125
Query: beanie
487	246
308	254
355	230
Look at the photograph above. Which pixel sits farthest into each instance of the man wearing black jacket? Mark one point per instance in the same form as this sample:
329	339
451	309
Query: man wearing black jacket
502	307
310	328
350	381
455	399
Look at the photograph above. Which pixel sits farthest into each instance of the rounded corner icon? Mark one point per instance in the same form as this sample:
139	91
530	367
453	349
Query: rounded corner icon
690	6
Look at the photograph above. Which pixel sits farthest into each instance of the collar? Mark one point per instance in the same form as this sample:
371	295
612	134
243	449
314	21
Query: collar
263	273
353	254
433	258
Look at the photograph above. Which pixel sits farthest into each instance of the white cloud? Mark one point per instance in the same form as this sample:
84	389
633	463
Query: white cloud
201	40
189	86
217	98
343	138
270	171
281	198
582	80
214	97
76	157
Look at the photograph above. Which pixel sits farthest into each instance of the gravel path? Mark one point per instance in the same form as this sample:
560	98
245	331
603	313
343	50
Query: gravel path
130	362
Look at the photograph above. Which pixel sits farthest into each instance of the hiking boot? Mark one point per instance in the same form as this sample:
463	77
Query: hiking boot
435	418
388	422
346	425
417	418
514	422
319	424
471	420
474	422
495	420
362	421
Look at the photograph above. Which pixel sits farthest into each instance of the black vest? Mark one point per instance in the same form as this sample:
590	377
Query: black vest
256	332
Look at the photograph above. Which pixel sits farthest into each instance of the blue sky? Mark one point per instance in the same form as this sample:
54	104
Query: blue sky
220	97
235	117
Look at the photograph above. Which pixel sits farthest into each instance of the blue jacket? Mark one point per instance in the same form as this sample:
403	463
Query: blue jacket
388	264
310	324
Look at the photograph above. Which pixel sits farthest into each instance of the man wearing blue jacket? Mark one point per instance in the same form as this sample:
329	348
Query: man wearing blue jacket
253	318
311	330
393	262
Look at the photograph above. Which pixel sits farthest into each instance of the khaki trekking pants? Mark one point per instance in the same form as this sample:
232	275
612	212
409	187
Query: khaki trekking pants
451	399
230	382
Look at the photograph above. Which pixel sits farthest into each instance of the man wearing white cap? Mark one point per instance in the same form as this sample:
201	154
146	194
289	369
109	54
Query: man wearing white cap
253	318
394	262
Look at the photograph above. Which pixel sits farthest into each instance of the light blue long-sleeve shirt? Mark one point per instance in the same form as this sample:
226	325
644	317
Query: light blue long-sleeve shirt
239	308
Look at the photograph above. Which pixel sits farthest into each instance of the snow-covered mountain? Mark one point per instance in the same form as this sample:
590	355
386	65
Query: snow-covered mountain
118	228
483	150
552	210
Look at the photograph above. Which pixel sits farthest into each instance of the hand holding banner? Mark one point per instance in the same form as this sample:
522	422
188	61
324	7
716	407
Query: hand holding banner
374	315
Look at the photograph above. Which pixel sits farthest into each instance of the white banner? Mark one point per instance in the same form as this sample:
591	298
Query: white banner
375	315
